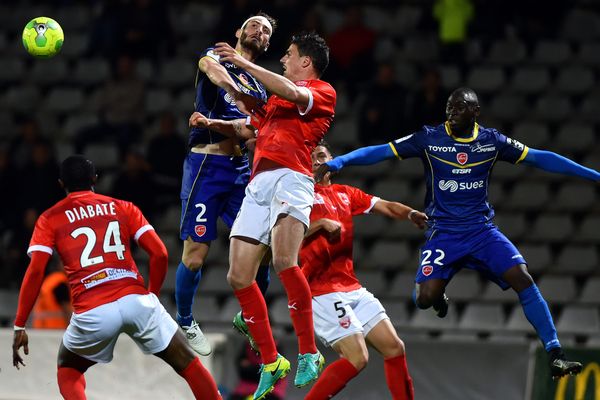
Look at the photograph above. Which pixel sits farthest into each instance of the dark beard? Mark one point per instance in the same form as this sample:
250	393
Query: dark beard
251	45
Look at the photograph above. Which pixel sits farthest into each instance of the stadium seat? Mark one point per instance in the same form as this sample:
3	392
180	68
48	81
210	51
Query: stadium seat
229	309
411	168
464	286
64	100
508	337
574	197
579	320
8	305
507	52
144	69
279	313
526	195
157	100
506	171
11	69
275	286
588	230
493	293
377	18
386	254
24	98
575	80
508	107
532	133
402	285
196	18
91	71
590	294
404	230
168	222
397	312
451	76
219	253
373	280
589	110
551	52
75	17
530	80
553	108
369	226
513	225
206	309
574	136
75	46
421	48
49	72
168	302
538	256
517	320
343	133
426	319
214	281
184	101
486	79
169	283
405	19
557	289
551	228
589	54
76	122
104	156
576	260
482	317
177	73
390	189
458	336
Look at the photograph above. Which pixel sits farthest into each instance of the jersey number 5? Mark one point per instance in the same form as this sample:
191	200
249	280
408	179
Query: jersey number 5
112	234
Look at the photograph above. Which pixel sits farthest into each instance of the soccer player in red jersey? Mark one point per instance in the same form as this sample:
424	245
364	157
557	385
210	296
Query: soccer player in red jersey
276	208
91	233
346	315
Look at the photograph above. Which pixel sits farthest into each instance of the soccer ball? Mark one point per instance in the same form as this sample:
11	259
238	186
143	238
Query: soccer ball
43	37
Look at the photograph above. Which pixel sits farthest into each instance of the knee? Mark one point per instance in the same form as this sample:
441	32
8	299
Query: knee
282	262
238	280
193	262
424	298
359	360
395	348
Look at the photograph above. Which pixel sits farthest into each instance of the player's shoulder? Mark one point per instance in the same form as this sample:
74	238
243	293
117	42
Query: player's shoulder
317	84
490	133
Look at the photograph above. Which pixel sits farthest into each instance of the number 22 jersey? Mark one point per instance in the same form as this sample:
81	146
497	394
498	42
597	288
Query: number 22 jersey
91	233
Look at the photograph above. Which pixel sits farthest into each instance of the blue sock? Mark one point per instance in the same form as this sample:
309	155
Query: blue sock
537	313
263	278
186	283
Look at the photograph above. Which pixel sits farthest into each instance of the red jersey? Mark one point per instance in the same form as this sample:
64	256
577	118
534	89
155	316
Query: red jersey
288	135
91	233
328	265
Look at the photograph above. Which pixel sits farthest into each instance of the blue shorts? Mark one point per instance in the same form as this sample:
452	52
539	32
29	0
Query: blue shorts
486	250
212	186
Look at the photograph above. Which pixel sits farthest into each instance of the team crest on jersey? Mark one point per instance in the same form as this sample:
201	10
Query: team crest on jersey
319	199
200	230
344	198
462	158
243	78
427	270
345	322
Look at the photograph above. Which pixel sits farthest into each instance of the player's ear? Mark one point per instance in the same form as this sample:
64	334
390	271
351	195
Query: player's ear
477	110
238	33
306	61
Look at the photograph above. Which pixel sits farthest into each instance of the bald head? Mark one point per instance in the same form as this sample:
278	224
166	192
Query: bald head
465	94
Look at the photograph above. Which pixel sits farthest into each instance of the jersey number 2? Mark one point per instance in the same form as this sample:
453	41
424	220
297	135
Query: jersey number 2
112	234
437	260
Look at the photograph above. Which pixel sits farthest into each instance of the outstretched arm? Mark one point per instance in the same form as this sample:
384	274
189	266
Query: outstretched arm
274	83
397	210
159	259
363	156
552	162
232	128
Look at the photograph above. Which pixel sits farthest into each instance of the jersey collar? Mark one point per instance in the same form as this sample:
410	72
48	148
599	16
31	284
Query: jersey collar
461	139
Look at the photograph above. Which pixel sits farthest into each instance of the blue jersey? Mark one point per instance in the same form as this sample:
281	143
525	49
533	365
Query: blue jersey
457	172
214	102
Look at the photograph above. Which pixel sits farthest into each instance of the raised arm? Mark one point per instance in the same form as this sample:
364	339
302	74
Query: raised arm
363	156
232	128
274	83
159	259
397	210
552	162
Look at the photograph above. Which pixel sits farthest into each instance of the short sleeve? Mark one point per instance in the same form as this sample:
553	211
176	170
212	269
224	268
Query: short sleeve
511	150
210	52
407	146
43	237
360	202
322	98
138	224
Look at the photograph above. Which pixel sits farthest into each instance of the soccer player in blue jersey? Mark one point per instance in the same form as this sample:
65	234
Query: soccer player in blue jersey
216	170
458	157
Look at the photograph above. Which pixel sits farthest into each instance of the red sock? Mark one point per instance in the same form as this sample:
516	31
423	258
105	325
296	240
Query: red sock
332	380
300	305
71	383
201	381
254	310
398	380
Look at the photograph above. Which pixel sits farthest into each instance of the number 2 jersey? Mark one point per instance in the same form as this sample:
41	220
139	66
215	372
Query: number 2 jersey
91	233
457	172
327	264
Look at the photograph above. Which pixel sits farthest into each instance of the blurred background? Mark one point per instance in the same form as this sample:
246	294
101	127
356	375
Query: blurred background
122	89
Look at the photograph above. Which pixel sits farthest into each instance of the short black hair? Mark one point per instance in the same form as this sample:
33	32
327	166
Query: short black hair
314	46
324	143
77	173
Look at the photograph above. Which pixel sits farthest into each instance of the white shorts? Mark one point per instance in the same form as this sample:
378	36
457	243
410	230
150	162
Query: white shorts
93	333
341	314
269	195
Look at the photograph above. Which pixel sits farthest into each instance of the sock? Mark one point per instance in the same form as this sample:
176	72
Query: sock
300	306
398	380
186	283
254	309
71	383
537	313
201	381
263	278
332	380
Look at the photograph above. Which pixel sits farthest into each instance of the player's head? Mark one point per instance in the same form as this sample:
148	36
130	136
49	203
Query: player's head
307	57
320	155
255	33
77	173
462	110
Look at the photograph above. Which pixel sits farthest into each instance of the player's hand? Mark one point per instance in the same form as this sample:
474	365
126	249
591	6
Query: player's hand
20	339
418	219
333	229
198	120
249	105
320	172
229	54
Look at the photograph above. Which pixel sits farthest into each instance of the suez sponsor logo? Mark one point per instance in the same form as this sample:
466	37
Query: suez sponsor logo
453	186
